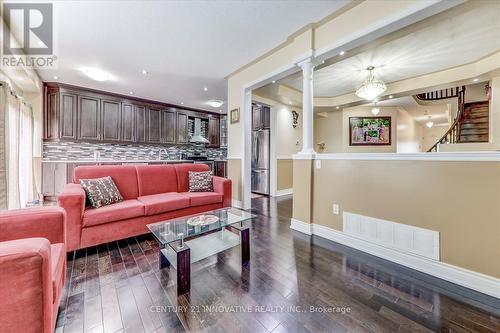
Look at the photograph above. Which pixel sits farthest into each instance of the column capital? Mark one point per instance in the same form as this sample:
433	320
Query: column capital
309	61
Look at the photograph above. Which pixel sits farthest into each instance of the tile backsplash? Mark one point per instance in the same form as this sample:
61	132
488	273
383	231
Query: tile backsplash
68	151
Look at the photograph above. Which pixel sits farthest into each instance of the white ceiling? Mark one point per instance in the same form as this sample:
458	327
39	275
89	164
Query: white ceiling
451	41
185	45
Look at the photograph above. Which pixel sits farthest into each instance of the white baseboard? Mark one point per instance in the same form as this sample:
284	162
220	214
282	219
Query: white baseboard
237	203
300	226
280	193
461	276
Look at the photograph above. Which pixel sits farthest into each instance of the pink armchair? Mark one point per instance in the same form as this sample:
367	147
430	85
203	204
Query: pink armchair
32	268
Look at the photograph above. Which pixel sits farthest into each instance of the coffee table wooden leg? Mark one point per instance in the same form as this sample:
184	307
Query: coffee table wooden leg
245	245
183	266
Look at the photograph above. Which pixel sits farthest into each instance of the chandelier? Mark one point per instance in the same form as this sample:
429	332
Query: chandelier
372	87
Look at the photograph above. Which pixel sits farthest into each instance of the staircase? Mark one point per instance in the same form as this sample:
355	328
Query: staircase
475	123
471	123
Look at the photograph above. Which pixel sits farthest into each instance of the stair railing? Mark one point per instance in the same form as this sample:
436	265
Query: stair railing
439	94
453	133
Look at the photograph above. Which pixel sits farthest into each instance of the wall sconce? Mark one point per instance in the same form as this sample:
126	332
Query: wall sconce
321	146
295	116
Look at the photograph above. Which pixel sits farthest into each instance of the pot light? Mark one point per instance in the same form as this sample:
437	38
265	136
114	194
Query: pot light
182	103
273	81
475	80
205	89
337	107
215	103
131	92
341	53
144	72
56	77
390	96
96	74
375	111
371	87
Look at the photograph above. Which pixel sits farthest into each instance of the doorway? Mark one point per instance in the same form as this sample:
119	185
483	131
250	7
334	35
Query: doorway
260	159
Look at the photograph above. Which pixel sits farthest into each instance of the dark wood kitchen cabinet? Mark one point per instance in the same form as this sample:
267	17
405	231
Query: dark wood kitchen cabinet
51	114
214	131
81	114
168	126
140	123
182	128
127	123
68	115
89	120
110	120
154	125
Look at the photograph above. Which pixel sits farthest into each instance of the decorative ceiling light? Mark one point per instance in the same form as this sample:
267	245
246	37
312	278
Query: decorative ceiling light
96	74
371	87
215	103
375	110
429	123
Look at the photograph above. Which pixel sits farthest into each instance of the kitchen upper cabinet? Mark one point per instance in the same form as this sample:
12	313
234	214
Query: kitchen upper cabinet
140	123
110	120
182	128
154	125
214	131
127	122
89	120
168	126
51	115
68	120
79	114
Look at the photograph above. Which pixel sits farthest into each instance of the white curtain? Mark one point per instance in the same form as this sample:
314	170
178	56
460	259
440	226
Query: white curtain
18	148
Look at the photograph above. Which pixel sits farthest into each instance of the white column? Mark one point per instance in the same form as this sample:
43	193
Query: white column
307	106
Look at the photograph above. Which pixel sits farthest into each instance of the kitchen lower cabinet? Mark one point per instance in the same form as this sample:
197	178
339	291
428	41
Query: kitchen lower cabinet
54	177
220	169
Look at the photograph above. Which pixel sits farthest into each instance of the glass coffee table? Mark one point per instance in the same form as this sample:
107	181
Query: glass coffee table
188	239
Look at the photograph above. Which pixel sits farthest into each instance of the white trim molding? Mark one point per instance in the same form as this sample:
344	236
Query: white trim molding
442	156
303	227
458	275
233	158
286	191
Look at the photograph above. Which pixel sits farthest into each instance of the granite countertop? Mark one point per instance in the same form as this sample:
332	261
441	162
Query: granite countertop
114	161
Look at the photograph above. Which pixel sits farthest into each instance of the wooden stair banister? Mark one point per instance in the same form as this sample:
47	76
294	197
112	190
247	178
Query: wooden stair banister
453	133
439	94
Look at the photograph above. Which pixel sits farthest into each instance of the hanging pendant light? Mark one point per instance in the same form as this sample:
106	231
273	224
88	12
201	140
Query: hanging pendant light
372	87
375	110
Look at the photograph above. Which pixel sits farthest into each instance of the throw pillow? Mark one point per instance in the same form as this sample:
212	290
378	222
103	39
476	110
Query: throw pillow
101	191
200	181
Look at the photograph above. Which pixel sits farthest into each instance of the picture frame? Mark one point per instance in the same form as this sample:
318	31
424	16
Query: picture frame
370	131
234	116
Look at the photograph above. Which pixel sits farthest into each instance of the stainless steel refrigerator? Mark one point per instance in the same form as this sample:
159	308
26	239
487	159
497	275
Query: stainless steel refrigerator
260	161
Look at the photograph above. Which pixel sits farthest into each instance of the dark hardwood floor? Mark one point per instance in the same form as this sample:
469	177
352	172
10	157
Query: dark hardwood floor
118	287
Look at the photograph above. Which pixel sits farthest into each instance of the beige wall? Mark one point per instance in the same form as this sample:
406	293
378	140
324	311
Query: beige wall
333	130
328	129
234	173
461	200
432	135
285	174
302	190
409	133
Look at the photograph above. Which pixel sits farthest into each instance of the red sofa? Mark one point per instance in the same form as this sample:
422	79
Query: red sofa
32	268
151	193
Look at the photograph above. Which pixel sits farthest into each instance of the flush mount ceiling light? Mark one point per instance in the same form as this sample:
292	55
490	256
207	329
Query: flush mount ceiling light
96	74
144	72
215	103
429	123
371	87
